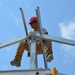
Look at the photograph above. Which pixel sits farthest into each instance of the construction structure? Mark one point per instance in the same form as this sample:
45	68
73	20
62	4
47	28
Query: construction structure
33	58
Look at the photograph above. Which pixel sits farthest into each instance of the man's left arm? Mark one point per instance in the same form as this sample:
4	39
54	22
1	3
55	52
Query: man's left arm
44	31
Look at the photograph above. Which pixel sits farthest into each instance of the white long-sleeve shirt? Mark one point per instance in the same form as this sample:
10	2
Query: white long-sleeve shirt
43	31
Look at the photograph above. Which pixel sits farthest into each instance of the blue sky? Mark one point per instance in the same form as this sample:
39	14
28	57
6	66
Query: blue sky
58	17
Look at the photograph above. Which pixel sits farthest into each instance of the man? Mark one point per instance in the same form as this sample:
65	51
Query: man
24	45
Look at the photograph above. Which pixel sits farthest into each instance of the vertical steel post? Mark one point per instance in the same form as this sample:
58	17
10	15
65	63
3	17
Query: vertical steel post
33	55
40	31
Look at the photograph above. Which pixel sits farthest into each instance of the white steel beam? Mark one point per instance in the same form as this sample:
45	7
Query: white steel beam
41	34
56	39
4	44
29	72
24	23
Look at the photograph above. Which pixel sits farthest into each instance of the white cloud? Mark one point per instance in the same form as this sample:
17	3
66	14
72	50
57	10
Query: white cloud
67	30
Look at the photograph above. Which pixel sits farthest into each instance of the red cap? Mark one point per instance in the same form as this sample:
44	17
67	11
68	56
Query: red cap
32	19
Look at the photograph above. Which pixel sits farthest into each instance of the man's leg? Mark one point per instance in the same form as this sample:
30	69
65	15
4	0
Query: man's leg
17	59
39	47
48	48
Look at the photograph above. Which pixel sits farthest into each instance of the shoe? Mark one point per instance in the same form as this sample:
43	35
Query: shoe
28	54
15	63
49	57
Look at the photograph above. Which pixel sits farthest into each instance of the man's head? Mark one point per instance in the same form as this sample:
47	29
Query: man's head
33	23
32	19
